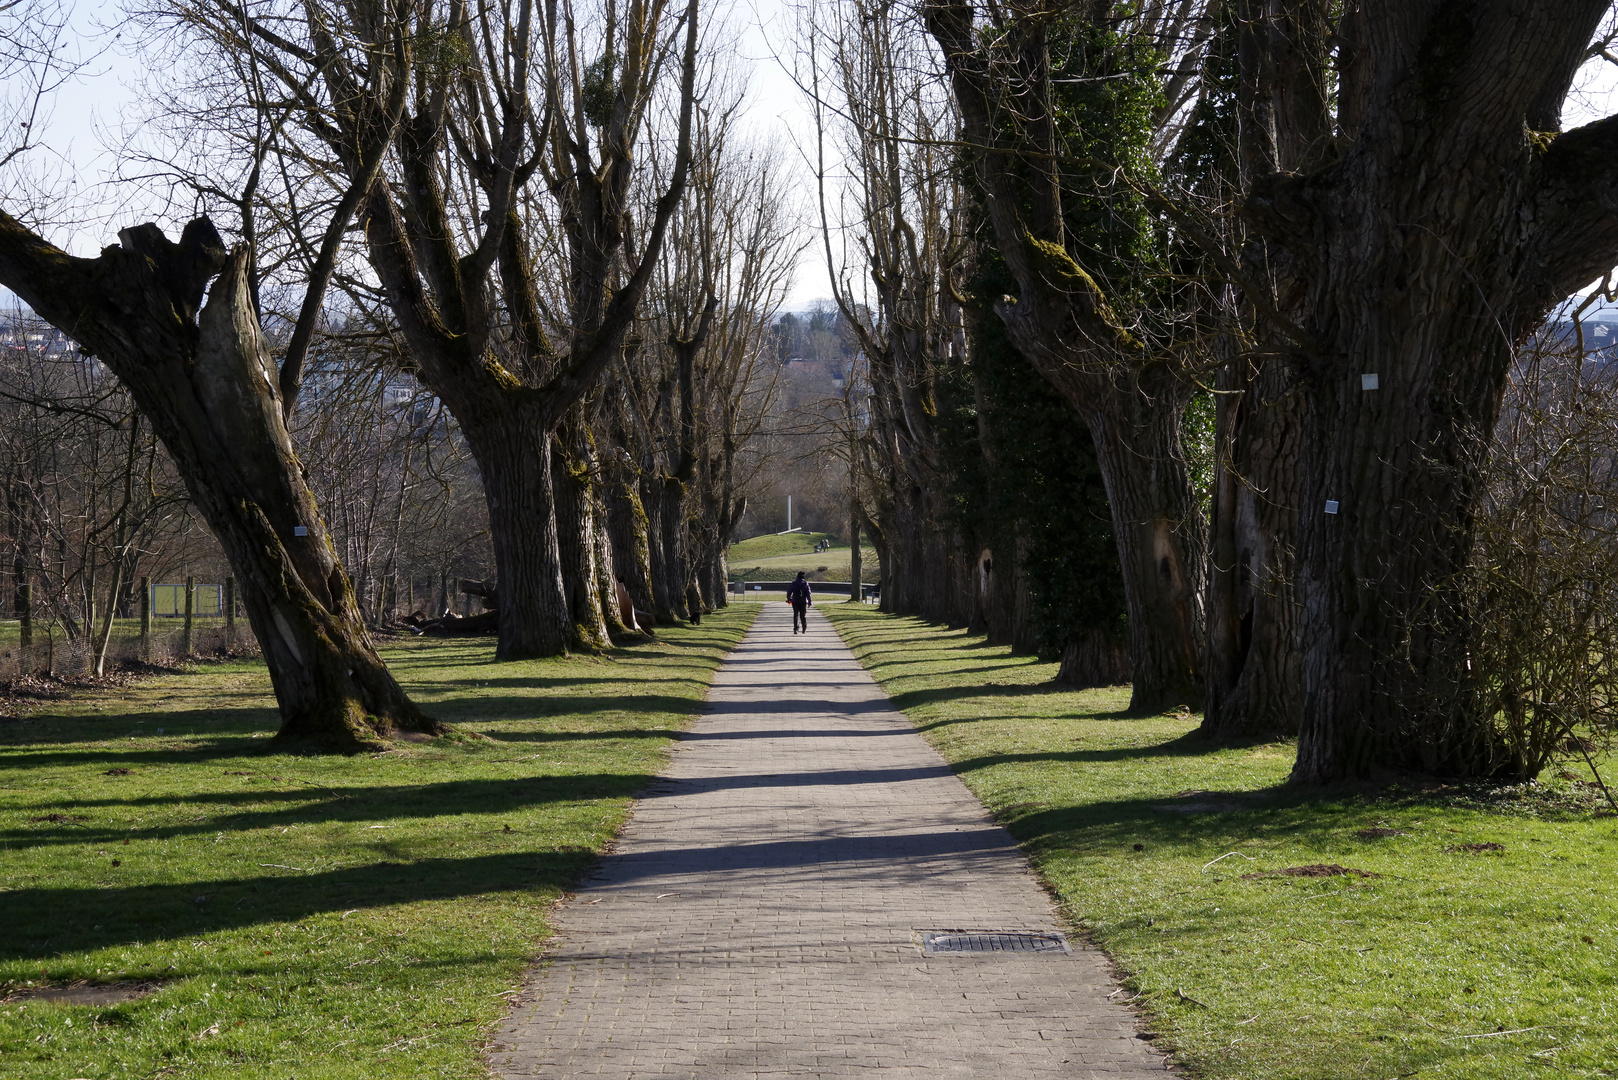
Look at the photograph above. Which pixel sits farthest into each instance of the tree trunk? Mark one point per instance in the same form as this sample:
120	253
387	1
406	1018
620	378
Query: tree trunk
571	466
629	530
1130	395
1254	674
518	487
1254	683
669	563
855	569
1155	525
1453	216
606	567
1094	657
206	385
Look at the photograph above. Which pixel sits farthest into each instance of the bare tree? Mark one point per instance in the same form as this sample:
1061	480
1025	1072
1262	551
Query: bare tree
516	124
201	375
695	392
898	132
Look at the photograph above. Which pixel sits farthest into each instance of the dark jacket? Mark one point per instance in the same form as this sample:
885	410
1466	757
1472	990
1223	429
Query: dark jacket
798	593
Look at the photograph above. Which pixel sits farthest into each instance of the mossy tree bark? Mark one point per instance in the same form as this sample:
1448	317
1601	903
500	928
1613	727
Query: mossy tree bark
202	376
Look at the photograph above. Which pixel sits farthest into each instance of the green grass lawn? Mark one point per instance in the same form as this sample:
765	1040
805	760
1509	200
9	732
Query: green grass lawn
314	917
833	565
770	546
166	633
1443	960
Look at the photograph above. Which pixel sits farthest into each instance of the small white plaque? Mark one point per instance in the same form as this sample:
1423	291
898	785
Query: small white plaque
758	588
1370	381
1331	506
300	530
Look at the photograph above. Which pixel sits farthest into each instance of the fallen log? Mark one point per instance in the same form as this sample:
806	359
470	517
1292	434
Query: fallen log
483	589
452	625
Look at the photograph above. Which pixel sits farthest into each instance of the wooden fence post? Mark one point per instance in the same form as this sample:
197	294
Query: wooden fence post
25	616
146	619
190	615
230	612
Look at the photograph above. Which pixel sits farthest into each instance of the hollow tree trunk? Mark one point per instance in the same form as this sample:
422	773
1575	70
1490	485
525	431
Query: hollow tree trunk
206	385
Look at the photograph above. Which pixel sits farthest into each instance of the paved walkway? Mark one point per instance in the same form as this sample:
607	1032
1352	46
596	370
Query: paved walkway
762	913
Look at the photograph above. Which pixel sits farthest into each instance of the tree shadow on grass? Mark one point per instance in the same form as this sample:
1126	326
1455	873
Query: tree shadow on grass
873	649
912	699
279	807
473	710
1191	744
1185	822
44	922
236	732
239	739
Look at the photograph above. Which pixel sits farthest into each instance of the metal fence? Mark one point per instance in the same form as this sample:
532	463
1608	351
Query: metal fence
169	600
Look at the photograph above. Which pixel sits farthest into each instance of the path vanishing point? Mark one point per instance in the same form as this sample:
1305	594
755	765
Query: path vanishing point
764	913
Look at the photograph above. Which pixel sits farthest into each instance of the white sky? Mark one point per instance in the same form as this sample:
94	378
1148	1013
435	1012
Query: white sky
85	116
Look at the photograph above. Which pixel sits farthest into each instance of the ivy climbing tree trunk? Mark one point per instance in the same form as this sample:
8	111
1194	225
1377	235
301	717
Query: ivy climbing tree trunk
1130	395
202	376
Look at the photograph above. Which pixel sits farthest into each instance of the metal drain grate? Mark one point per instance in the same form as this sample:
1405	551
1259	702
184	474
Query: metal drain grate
971	942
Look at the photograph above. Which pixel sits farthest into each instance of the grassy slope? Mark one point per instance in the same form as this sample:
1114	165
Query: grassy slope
837	563
771	558
770	546
314	917
1283	977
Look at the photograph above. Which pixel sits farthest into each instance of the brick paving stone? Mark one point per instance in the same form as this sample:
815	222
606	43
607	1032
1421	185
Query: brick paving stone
761	914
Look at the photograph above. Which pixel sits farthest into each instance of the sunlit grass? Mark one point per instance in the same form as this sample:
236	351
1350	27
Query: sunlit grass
1487	965
834	565
314	917
770	546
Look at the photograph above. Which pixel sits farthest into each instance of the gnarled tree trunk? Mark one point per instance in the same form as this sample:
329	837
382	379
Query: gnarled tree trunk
205	382
1453	218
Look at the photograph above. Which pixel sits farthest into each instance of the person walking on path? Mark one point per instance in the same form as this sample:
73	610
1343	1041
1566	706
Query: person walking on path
798	596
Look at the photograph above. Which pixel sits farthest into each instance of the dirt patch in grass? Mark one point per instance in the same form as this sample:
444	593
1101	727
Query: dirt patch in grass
83	993
1313	870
